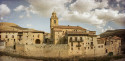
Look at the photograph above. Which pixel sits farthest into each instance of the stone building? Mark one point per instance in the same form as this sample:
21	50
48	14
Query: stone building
81	41
58	32
13	34
62	41
112	45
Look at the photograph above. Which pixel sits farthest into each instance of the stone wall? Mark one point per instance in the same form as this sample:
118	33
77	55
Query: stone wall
2	46
44	50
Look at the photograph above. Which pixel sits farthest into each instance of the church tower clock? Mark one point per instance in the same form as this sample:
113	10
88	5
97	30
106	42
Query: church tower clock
53	20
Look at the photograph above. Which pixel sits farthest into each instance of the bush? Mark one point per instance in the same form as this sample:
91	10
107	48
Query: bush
110	54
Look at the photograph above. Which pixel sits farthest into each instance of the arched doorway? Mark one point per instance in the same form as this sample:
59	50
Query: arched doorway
37	41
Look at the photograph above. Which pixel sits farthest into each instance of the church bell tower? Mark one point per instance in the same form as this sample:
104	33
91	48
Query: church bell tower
53	20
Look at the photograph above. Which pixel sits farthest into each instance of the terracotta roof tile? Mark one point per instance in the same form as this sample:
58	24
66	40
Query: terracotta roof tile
74	32
69	27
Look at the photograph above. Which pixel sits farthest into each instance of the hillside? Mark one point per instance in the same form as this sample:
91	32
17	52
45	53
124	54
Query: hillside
118	32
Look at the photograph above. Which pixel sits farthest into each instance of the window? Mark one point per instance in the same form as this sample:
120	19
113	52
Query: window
6	36
102	46
88	47
14	40
78	48
12	36
98	46
71	43
0	36
55	21
8	40
91	43
112	42
105	43
83	43
71	48
78	43
70	38
75	38
91	47
81	39
106	51
92	38
38	36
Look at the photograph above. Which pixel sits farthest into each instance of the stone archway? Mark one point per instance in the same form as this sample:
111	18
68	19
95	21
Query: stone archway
37	41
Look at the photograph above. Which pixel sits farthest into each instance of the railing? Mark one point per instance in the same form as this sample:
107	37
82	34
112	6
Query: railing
75	40
78	45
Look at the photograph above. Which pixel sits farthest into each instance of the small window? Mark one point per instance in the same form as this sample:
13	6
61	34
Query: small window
14	40
38	36
83	43
55	21
112	42
12	36
71	43
6	36
98	46
105	43
91	47
70	38
75	38
106	51
81	39
78	48
102	46
92	38
92	43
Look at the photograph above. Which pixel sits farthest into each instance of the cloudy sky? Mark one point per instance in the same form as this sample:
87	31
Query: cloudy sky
95	15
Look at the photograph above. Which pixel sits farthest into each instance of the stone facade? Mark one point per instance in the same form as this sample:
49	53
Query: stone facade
13	34
112	44
63	41
2	45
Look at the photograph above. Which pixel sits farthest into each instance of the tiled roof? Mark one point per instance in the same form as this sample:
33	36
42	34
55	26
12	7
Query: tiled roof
58	30
75	32
69	27
115	37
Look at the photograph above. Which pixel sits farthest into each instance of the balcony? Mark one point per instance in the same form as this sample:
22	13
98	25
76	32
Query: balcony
20	33
78	45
